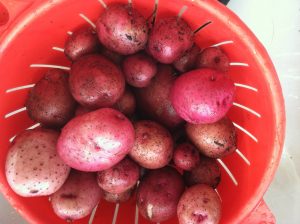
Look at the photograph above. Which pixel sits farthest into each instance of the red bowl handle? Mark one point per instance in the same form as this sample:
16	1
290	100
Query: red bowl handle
10	9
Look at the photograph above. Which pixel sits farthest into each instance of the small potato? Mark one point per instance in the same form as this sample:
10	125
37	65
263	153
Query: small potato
120	177
214	140
96	141
169	39
33	167
206	172
153	146
117	198
96	82
126	104
202	96
186	156
187	61
50	101
77	197
213	57
122	29
83	41
154	100
139	69
158	194
199	204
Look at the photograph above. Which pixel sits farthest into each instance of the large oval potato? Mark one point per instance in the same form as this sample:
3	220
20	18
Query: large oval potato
96	141
77	197
33	167
50	101
96	82
214	140
158	194
199	204
120	177
153	146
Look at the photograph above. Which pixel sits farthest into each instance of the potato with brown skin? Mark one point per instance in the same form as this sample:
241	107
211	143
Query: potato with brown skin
169	39
213	57
96	82
77	197
126	104
33	167
50	101
122	29
154	100
199	204
118	198
153	146
187	61
158	194
214	140
139	69
82	41
120	177
186	156
206	172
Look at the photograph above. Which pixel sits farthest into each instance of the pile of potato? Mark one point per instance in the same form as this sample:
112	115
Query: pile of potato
141	114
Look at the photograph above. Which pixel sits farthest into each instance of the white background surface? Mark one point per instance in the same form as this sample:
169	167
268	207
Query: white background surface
277	24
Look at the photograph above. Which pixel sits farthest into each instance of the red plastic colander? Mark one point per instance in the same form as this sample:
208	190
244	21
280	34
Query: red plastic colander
33	33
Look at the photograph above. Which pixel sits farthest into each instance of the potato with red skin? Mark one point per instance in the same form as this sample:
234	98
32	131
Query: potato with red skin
96	141
206	172
50	101
199	204
82	42
153	146
96	82
169	39
126	104
214	140
187	61
77	197
118	198
122	29
214	58
139	69
186	156
154	100
33	167
202	96
120	177
158	194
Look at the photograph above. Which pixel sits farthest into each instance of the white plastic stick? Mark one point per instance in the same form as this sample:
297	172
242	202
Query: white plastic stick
58	49
182	10
116	213
19	88
243	157
246	86
245	131
103	3
228	172
222	43
247	109
50	66
239	64
87	20
14	112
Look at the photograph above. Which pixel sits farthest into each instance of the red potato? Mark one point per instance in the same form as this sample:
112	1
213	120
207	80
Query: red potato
96	141
80	110
154	100
117	198
206	172
33	167
122	29
187	61
213	57
158	194
202	96
83	41
96	82
214	140
77	197
199	204
153	146
169	39
50	101
126	104
139	69
120	177
186	156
